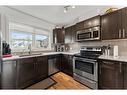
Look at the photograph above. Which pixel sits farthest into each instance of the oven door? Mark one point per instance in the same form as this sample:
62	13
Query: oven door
85	67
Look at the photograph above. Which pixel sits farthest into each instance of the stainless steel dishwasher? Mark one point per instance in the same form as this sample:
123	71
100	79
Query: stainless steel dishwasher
53	64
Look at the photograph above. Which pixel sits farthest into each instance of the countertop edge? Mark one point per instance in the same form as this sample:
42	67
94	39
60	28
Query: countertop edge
45	54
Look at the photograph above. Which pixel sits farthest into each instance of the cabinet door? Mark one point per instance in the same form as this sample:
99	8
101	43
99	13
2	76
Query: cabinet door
68	35
124	22
73	28
80	26
92	22
125	75
67	64
110	75
25	72
111	26
58	35
8	75
41	67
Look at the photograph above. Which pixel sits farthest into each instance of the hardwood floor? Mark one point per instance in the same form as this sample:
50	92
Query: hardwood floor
65	82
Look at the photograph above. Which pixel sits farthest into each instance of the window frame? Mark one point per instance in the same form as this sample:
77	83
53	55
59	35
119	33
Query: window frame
44	35
34	48
20	48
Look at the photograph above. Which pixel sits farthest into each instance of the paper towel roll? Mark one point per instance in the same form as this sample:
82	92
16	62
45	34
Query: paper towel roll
115	51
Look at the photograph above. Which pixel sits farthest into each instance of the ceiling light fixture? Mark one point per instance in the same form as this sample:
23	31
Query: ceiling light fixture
66	8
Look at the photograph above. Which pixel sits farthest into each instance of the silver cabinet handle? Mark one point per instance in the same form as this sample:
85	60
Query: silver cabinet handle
119	33
120	67
123	33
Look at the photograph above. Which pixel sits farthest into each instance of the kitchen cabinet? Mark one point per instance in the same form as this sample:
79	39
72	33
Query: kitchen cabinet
114	25
110	75
125	75
110	25
8	80
67	64
25	72
80	25
54	62
70	34
41	67
124	23
91	22
58	35
73	28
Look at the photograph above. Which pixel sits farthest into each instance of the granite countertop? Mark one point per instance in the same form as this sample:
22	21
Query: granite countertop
119	58
43	54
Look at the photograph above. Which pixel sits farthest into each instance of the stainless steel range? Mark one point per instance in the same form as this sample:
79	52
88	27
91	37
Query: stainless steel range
85	66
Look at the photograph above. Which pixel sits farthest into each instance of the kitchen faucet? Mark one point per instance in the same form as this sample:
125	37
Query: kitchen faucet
29	48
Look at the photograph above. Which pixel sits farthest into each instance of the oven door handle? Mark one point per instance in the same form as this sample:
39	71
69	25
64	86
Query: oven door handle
85	60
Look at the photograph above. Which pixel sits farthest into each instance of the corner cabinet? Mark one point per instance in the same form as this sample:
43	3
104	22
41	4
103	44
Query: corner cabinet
67	64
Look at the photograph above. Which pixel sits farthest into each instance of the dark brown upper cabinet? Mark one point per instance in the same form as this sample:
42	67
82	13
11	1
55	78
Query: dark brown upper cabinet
58	35
91	22
124	22
70	34
111	25
114	25
79	25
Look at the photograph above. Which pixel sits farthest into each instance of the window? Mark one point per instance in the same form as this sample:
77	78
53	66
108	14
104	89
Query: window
20	39
42	41
22	35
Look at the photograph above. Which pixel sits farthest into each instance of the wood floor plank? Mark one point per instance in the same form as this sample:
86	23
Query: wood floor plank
66	82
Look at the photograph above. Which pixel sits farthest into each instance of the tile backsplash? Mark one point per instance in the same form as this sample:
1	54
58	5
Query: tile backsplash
122	45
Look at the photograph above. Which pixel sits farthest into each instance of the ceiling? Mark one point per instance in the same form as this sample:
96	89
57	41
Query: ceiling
55	14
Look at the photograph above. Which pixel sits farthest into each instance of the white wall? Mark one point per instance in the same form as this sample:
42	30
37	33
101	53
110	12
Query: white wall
8	14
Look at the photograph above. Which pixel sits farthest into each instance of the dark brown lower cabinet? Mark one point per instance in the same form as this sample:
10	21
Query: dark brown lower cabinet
41	68
67	64
31	70
25	72
110	75
125	75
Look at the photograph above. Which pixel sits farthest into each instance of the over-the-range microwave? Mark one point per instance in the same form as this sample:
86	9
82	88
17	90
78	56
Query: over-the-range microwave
88	34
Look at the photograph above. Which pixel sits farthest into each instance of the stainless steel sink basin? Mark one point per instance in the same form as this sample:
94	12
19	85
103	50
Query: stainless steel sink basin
23	55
